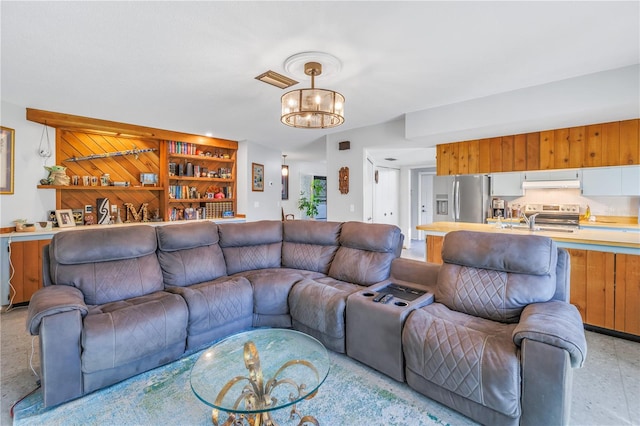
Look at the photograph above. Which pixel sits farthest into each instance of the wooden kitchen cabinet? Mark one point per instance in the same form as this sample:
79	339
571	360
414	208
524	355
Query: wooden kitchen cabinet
434	248
627	295
605	287
26	260
595	145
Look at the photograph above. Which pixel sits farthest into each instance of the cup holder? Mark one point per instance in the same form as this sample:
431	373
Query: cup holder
401	303
367	294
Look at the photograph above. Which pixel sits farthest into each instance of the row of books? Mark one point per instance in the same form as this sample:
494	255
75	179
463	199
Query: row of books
177	147
180	192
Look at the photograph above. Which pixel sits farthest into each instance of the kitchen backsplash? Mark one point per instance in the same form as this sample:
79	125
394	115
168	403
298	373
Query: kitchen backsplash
605	206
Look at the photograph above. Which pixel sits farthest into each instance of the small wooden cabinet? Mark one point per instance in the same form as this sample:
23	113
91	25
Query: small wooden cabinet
25	269
434	248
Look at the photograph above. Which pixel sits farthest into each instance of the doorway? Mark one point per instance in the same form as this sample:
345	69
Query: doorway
425	201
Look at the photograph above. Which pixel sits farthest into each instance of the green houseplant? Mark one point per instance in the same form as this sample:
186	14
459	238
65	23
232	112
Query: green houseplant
310	204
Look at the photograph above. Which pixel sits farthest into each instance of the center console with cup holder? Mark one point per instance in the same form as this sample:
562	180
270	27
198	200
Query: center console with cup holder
374	320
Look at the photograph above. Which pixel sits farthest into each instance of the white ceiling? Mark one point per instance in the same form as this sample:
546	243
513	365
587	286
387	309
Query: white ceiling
190	66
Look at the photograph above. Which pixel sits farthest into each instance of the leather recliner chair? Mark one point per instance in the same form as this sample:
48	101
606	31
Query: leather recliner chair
501	339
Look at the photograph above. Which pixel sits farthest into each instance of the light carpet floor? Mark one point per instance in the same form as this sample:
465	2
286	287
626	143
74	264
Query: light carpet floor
353	394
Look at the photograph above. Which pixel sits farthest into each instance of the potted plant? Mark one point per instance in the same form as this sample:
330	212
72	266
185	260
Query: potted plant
310	204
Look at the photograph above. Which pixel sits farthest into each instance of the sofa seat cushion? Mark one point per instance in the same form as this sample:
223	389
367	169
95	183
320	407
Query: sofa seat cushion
472	357
127	331
318	308
222	304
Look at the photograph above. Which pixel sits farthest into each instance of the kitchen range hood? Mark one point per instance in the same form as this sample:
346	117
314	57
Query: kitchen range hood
549	179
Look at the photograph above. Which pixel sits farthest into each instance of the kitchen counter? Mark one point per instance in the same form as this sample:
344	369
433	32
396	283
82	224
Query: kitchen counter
617	241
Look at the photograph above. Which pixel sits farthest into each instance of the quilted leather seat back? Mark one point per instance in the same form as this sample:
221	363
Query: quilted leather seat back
107	265
365	253
189	253
251	245
310	245
494	276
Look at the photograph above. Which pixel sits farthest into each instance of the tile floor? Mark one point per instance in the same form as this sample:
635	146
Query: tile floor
606	391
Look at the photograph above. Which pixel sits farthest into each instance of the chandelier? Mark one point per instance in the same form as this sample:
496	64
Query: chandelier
312	108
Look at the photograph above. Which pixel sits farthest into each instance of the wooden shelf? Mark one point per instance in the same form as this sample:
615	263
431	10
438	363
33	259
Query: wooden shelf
101	188
200	200
199	179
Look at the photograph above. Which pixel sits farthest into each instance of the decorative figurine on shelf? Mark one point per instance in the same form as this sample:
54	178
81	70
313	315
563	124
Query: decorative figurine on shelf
57	176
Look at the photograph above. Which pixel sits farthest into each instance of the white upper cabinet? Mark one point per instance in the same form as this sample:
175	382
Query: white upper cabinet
600	181
630	180
611	181
506	184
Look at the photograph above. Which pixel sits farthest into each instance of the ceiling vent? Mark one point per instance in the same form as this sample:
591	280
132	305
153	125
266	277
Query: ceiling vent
275	79
391	159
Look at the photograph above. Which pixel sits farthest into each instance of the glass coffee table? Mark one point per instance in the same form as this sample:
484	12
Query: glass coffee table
252	374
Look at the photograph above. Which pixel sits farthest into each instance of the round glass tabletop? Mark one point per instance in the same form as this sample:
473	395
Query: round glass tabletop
260	370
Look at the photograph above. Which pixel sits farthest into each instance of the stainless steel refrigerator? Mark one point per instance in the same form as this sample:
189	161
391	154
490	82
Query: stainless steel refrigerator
462	198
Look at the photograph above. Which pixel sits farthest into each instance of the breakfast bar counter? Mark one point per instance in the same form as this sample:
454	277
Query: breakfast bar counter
625	240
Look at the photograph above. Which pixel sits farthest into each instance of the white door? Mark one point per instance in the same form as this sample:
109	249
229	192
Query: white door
368	204
425	202
387	200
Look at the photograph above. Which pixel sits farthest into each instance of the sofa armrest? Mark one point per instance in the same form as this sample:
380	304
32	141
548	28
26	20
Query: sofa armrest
53	300
415	271
555	323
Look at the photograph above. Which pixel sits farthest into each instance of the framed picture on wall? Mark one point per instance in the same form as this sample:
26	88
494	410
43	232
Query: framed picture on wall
257	177
7	145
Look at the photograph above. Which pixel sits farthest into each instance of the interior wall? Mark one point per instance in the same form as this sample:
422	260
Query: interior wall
595	98
262	205
27	201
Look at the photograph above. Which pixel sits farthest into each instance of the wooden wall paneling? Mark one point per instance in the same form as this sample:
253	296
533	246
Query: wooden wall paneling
519	153
600	288
627	314
463	158
547	150
496	155
629	143
593	146
610	142
561	142
507	153
578	292
533	151
576	146
474	157
443	159
453	159
484	156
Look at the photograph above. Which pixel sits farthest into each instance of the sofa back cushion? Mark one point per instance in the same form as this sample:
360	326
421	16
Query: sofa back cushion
107	265
365	253
189	253
310	244
494	276
251	245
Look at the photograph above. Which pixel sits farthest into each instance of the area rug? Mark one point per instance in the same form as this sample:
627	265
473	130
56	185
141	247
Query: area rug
353	394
